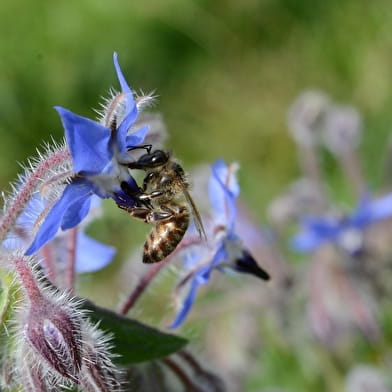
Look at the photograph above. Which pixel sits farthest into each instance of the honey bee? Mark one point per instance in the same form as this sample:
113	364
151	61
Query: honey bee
161	203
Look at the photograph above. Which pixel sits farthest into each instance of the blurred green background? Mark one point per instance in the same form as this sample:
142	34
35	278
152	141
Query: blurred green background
225	71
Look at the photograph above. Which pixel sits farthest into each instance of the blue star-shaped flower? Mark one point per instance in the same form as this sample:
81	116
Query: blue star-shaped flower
227	252
317	231
90	255
99	155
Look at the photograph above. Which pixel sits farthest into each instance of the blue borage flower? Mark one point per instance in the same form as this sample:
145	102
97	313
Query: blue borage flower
99	156
317	231
90	255
227	252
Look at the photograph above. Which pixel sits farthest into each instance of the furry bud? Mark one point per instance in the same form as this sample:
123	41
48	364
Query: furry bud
54	333
306	117
342	129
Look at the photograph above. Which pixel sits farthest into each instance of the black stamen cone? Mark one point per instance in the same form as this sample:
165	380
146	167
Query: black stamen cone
247	264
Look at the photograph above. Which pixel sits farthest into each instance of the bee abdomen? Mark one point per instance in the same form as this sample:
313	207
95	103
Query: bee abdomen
164	237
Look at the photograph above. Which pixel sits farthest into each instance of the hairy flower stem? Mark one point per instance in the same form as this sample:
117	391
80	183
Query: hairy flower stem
353	171
191	360
27	278
214	382
23	196
151	274
310	165
50	269
71	259
181	375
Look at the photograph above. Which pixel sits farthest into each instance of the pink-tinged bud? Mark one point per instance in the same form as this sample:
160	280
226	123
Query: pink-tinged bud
35	380
98	372
31	374
343	129
54	333
306	117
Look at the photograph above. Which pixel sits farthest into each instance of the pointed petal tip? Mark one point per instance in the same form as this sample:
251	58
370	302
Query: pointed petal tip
115	59
60	110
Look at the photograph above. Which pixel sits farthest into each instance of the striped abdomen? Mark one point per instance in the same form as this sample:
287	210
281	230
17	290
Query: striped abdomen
165	236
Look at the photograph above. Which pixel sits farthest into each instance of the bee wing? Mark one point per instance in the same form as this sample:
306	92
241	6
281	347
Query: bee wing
196	215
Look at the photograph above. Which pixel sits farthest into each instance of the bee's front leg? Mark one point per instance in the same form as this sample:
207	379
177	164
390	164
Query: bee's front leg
139	196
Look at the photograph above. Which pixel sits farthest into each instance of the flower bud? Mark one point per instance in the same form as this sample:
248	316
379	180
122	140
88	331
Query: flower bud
306	116
98	372
343	129
54	332
34	379
303	197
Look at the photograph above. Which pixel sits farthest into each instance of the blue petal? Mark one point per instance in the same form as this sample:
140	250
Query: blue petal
88	142
362	215
123	83
121	134
13	242
186	306
220	255
77	211
92	255
226	177
34	207
381	208
73	193
137	137
201	277
306	242
316	231
223	191
130	108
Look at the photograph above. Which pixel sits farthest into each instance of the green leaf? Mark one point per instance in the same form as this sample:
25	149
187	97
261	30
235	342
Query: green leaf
134	341
8	290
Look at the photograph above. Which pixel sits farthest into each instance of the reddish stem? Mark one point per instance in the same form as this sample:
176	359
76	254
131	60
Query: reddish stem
181	375
23	196
28	279
188	357
49	263
214	381
353	171
151	273
71	258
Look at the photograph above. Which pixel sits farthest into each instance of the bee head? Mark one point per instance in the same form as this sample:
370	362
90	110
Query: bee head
154	159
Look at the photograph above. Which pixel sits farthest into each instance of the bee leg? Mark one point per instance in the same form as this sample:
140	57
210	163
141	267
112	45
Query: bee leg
147	179
173	209
138	196
147	215
150	196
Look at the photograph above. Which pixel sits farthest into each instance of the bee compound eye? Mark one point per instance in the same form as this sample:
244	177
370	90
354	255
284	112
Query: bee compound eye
159	157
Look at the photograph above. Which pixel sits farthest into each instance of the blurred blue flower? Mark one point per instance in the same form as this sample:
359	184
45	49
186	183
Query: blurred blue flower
317	231
227	253
99	156
90	255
